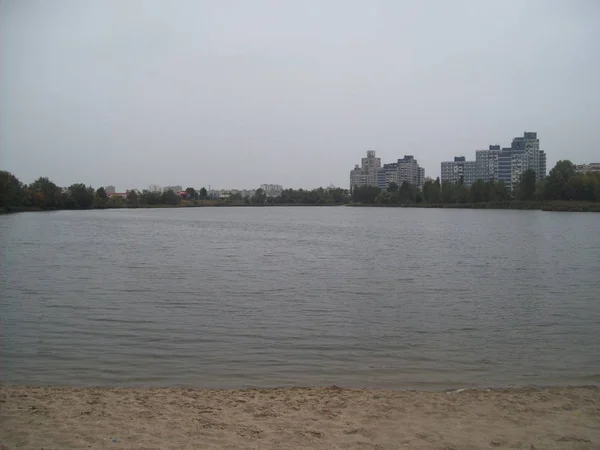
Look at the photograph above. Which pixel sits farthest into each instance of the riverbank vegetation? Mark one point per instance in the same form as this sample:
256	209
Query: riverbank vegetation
562	190
44	195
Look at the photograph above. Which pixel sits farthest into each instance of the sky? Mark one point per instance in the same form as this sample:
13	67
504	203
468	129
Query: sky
234	94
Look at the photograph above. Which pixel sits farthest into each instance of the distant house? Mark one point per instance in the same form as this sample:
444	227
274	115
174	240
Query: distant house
123	195
185	195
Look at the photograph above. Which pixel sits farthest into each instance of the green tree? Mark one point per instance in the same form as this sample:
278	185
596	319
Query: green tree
558	180
259	197
80	196
479	192
45	194
150	198
115	202
101	195
432	191
460	194
203	194
393	187
406	193
365	194
525	188
133	199
235	198
170	197
12	193
448	192
191	192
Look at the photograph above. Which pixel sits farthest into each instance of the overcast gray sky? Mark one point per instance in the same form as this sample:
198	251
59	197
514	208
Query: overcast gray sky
239	93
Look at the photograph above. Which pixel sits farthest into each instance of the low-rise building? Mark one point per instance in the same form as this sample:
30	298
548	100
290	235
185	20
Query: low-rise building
588	168
272	190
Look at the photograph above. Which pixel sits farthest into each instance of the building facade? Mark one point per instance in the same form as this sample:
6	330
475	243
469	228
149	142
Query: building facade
588	168
110	189
499	164
406	169
366	174
486	162
272	190
459	171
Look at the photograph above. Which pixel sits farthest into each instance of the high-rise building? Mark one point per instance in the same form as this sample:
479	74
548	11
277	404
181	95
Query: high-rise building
459	171
523	154
109	189
486	162
406	169
500	164
366	174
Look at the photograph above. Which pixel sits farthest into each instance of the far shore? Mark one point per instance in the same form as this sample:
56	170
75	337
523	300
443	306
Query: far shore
294	418
555	206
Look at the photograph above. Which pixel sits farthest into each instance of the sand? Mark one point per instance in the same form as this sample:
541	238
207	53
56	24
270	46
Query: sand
298	418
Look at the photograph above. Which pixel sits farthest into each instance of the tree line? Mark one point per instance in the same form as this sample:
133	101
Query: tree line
43	194
563	183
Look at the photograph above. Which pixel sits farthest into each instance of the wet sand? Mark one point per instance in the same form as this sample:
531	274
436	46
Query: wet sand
298	418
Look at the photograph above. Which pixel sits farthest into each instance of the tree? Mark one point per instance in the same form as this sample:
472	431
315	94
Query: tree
235	198
203	193
447	192
497	191
80	197
406	193
460	194
101	194
365	194
432	191
115	202
191	192
12	194
525	189
259	197
558	179
392	187
133	199
479	192
170	197
45	194
150	197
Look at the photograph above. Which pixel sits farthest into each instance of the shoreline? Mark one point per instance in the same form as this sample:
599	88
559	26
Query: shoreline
547	206
299	417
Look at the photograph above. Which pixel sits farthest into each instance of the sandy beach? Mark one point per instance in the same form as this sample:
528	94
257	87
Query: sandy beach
298	418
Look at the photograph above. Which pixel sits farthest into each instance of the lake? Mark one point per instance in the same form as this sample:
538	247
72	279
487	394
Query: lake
264	297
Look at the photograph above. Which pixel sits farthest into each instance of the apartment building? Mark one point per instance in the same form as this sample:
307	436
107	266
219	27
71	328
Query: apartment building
459	171
499	164
366	174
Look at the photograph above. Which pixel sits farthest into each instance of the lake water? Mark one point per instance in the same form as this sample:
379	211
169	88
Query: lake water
263	297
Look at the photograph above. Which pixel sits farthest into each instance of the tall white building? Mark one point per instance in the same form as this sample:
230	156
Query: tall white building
506	164
487	163
406	169
366	174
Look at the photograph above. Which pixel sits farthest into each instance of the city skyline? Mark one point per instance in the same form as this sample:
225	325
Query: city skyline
146	92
